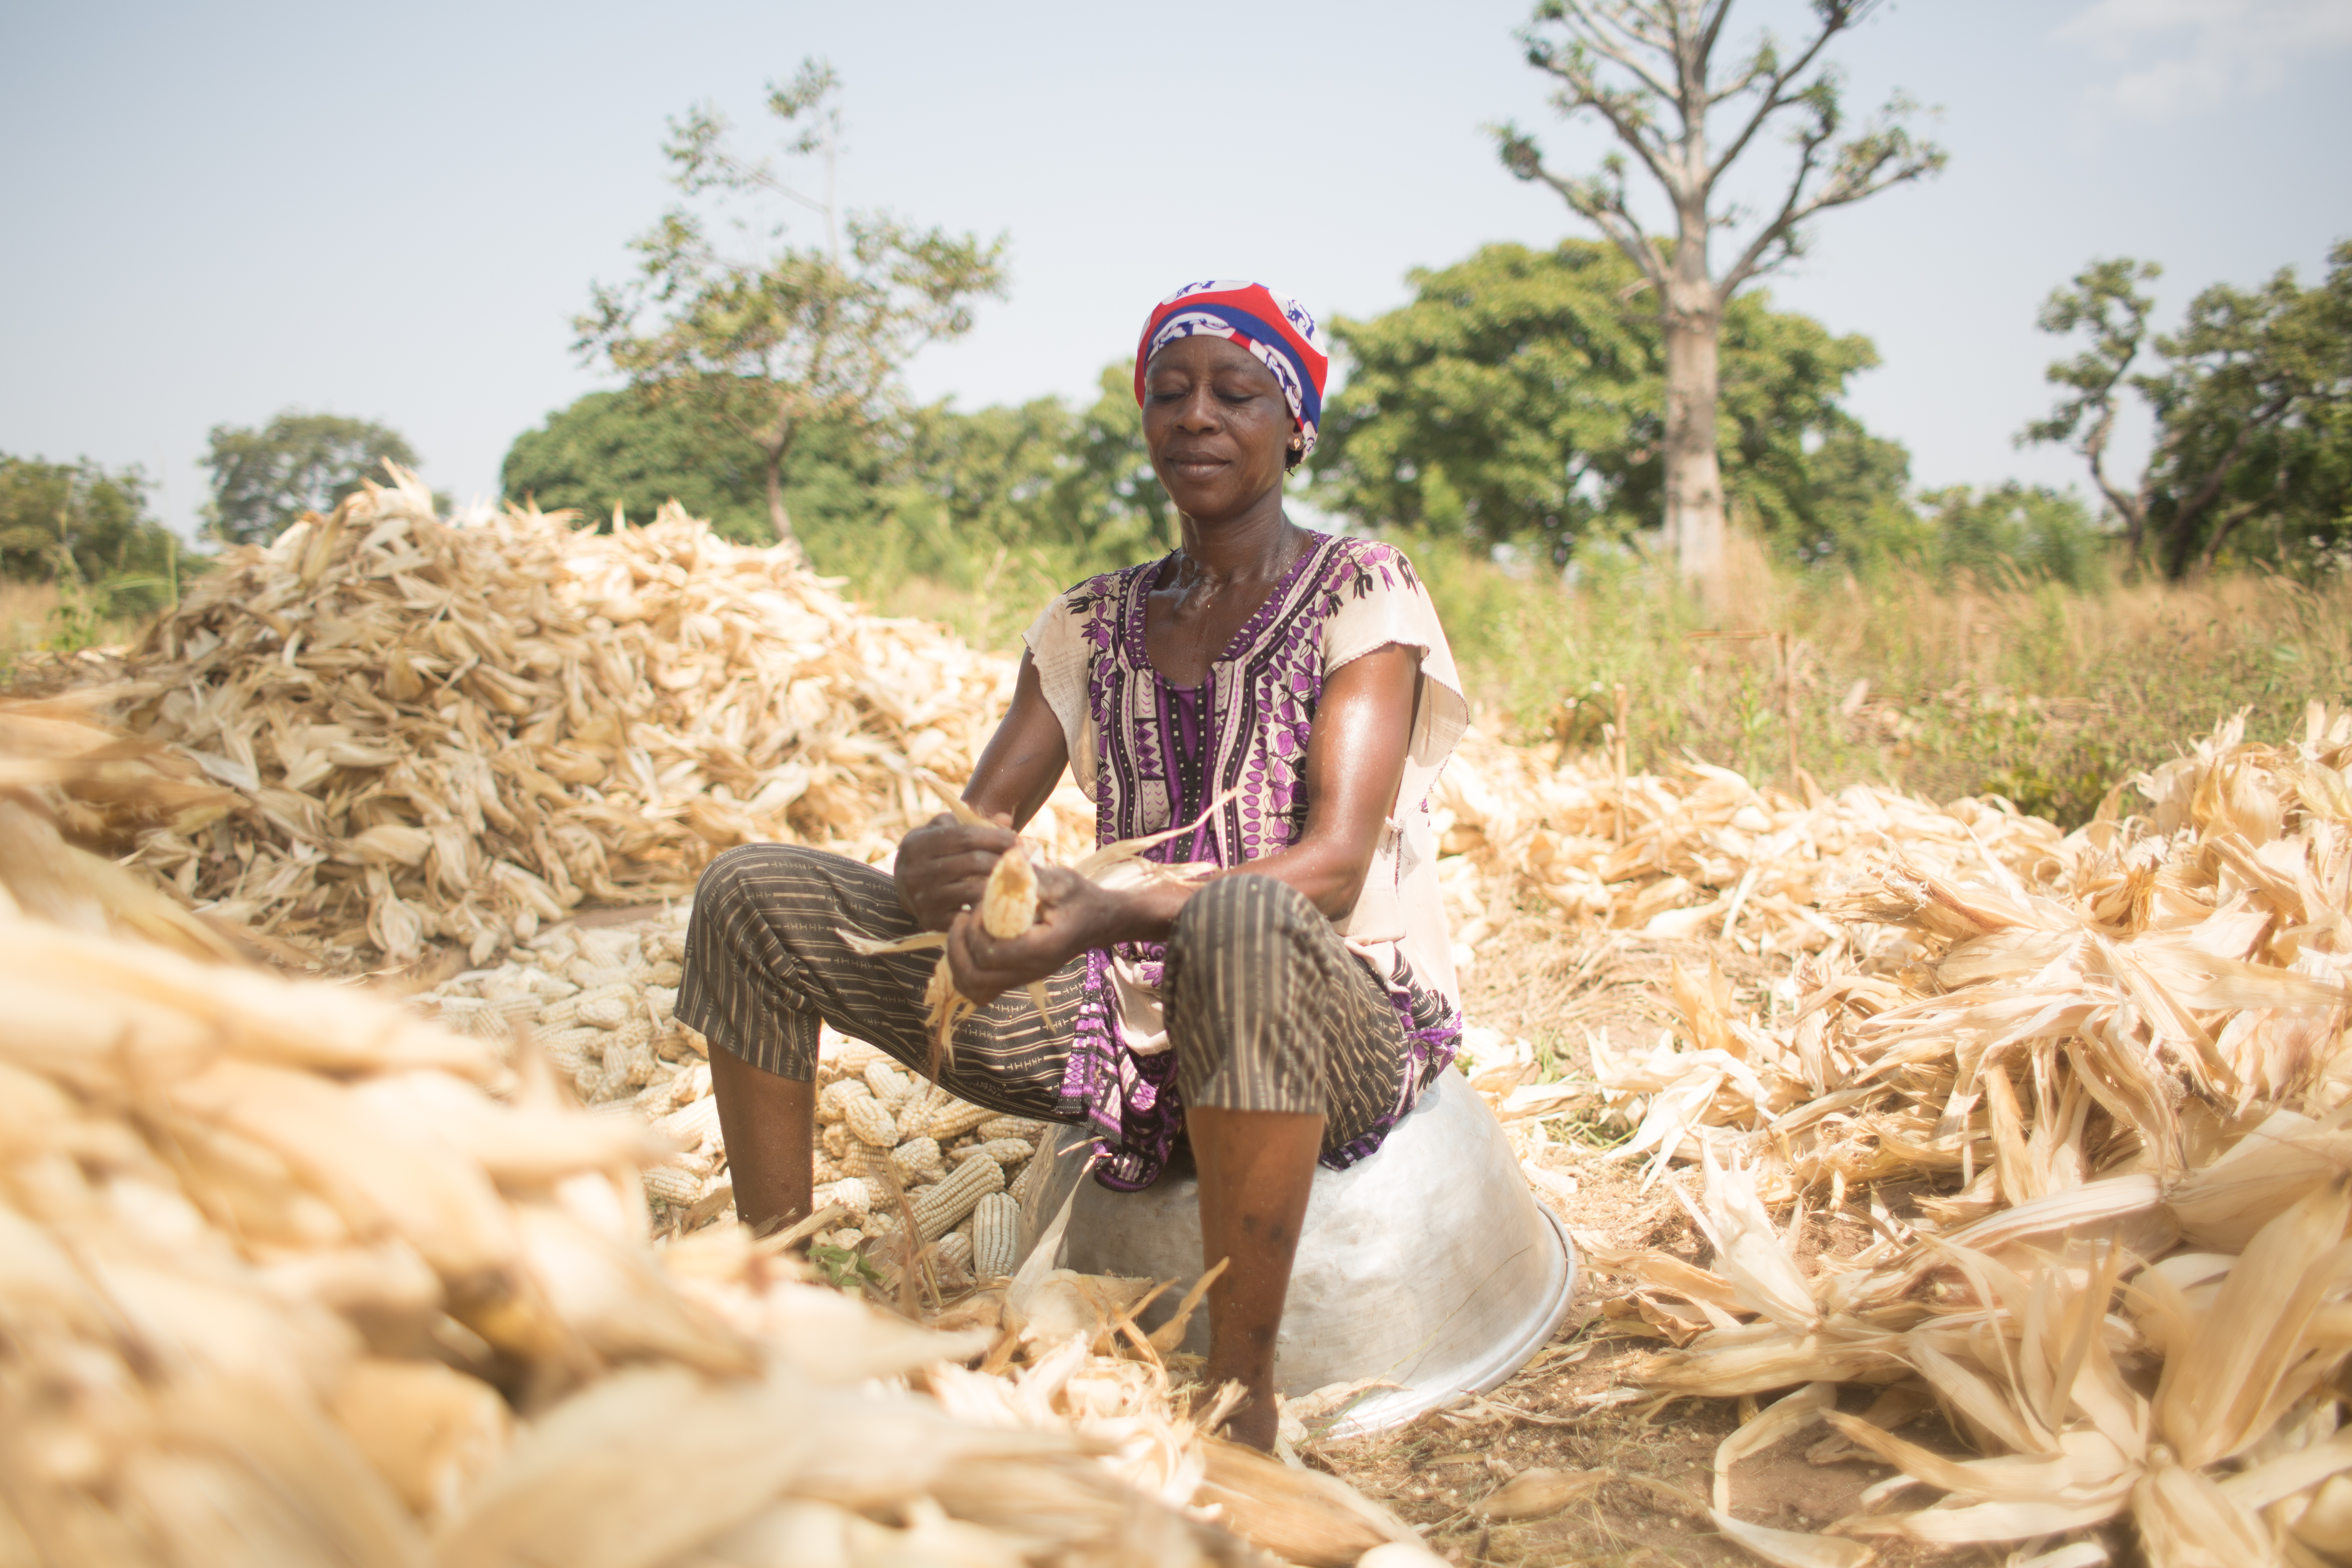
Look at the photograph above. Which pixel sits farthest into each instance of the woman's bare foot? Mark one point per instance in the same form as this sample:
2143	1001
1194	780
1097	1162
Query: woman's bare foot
1254	1420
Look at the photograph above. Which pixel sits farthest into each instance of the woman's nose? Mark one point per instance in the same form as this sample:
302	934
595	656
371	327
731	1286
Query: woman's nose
1200	410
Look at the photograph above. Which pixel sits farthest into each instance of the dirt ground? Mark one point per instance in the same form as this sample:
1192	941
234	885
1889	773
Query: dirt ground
1571	1408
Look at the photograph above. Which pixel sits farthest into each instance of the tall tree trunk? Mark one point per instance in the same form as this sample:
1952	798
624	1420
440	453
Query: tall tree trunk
779	518
1694	475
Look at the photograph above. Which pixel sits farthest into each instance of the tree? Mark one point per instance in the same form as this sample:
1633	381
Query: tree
615	449
1521	395
81	525
758	347
263	479
1635	63
2252	404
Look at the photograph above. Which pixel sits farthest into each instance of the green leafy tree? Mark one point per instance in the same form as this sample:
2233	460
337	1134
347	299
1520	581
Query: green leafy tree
760	346
263	479
88	529
1521	396
1647	69
2252	404
1079	482
614	450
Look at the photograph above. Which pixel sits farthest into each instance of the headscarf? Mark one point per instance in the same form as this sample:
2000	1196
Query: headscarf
1274	327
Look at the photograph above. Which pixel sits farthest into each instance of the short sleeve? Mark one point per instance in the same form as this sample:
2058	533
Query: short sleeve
1059	647
1382	602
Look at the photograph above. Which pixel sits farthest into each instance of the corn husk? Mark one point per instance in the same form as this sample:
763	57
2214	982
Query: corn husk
2130	1080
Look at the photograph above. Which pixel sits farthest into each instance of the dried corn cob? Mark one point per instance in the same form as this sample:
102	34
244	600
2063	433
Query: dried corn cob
955	1252
944	1206
1012	1127
833	1101
918	1159
1003	1150
672	1185
870	1123
890	1085
1008	905
996	1228
1027	1179
917	1110
957	1117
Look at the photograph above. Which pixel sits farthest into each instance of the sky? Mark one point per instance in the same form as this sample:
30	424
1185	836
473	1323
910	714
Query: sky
217	212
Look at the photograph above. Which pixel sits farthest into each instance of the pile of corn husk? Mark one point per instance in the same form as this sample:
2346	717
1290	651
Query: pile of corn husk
599	1002
2136	1094
289	1274
448	733
1699	853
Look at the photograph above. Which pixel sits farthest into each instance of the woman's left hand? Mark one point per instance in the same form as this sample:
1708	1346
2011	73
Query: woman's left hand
1073	915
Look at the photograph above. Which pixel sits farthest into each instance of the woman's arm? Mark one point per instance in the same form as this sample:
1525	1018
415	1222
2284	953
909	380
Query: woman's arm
943	865
1355	760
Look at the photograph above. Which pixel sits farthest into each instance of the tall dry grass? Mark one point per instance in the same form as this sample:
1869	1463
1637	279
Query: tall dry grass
2047	695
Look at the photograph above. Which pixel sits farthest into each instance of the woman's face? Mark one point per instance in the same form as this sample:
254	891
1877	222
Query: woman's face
1217	426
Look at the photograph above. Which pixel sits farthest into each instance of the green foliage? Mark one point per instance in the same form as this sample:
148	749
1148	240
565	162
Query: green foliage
1521	398
2252	403
88	530
777	339
264	479
2009	531
615	449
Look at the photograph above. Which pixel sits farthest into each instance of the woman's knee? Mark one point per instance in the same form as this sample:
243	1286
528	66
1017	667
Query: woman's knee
734	874
1233	916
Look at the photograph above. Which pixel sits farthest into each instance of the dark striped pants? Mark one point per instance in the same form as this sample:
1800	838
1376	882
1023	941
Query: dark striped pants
1266	1009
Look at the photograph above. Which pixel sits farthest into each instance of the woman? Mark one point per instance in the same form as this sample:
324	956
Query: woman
1283	1003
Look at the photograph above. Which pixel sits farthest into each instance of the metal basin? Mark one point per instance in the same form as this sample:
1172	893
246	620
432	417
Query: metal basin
1430	1265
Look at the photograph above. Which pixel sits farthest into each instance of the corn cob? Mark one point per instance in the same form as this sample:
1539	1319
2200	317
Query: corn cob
1008	905
565	1013
955	1252
916	1111
1003	1150
996	1228
672	1185
1027	1179
940	1208
1012	1127
667	972
890	1085
572	1049
852	1193
957	1117
918	1159
836	1141
870	1123
605	1012
833	1101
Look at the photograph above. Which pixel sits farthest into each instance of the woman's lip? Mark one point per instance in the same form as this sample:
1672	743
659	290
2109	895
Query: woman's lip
1196	465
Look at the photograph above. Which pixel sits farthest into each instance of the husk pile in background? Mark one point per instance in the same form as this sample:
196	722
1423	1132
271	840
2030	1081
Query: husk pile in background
442	733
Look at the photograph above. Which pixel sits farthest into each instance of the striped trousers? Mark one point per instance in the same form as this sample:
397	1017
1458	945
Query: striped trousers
1266	1009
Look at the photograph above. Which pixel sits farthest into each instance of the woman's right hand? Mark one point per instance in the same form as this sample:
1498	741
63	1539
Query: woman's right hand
943	866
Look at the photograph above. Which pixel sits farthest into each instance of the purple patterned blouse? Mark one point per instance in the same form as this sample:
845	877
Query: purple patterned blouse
1154	756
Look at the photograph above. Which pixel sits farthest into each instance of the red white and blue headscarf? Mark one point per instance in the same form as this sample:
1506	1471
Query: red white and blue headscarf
1274	327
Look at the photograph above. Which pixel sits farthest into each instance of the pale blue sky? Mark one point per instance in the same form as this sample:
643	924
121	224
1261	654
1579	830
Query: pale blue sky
217	212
